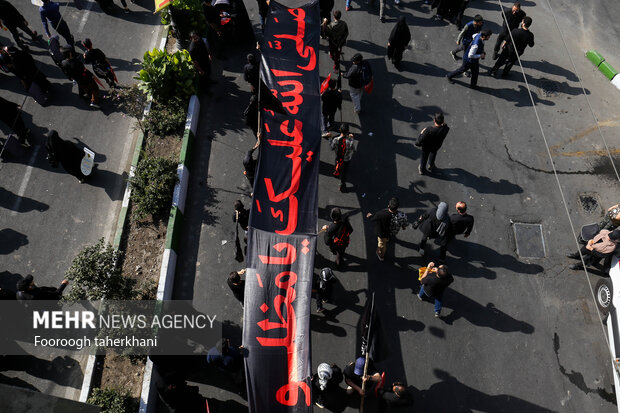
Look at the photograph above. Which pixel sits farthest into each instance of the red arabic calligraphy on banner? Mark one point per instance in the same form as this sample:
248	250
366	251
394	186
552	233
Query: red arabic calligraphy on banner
285	280
283	218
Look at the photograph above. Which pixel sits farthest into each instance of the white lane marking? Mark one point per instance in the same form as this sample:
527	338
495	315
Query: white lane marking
85	14
24	184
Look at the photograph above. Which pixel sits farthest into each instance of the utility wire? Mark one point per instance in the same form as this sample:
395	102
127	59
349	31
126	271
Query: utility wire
555	173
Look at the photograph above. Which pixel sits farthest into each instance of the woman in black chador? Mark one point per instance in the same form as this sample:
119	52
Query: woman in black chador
398	41
66	153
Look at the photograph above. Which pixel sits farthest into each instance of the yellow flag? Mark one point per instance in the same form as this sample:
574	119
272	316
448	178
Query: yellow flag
160	4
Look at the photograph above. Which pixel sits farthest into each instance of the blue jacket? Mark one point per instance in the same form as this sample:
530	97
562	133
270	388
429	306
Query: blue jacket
50	11
468	33
475	49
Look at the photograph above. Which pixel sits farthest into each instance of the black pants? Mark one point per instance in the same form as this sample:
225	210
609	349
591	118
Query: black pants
339	253
329	121
323	294
471	65
503	35
507	57
591	257
427	157
64	31
443	244
343	173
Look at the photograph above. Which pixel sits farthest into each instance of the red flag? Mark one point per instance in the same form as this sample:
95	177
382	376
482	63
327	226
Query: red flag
325	83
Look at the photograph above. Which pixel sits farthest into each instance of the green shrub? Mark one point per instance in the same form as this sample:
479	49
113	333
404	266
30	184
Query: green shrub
166	119
113	401
95	274
164	75
152	186
192	10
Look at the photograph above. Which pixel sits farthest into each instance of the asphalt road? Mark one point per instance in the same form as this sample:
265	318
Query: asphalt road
516	334
46	216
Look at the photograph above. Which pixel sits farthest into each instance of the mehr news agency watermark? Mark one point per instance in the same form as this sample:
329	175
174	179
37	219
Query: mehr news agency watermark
124	327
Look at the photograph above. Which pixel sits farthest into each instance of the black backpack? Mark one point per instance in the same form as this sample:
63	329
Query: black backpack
365	73
342	239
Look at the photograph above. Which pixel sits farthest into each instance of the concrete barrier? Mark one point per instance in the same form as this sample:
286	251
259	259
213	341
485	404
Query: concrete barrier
148	397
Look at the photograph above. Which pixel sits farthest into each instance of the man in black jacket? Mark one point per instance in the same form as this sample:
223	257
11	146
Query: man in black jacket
435	224
332	101
430	141
27	290
434	283
251	72
388	222
236	284
522	38
514	17
337	235
356	85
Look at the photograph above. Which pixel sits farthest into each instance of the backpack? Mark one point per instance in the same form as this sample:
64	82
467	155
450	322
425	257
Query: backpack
342	239
365	73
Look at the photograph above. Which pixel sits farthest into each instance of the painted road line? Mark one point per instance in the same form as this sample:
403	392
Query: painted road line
24	184
85	15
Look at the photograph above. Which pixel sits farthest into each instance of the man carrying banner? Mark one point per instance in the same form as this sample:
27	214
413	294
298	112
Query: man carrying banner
354	376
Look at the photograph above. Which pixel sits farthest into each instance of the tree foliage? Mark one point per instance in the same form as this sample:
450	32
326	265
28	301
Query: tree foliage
95	274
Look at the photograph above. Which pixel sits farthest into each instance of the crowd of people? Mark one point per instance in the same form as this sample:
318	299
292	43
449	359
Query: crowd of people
437	223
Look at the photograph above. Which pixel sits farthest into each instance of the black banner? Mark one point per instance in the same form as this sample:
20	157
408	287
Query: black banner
283	219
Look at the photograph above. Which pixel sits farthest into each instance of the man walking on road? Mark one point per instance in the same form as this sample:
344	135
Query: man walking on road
462	222
522	38
434	282
338	235
27	290
514	16
357	81
332	101
467	34
237	285
12	19
251	73
387	224
435	224
471	58
336	33
430	140
51	11
344	145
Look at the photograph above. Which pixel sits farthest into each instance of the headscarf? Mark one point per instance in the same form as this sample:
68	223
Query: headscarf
442	215
324	371
400	35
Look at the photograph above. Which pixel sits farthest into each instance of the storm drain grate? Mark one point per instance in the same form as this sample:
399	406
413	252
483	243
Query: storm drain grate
589	203
529	239
420	45
549	88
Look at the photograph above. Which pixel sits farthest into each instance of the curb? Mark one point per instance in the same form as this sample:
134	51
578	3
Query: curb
148	397
91	363
604	67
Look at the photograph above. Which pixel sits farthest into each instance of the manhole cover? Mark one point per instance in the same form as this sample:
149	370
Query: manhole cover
549	88
589	202
420	45
530	242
